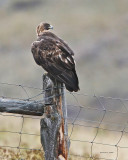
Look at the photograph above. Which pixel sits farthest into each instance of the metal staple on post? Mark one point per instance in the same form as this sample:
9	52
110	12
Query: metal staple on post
54	132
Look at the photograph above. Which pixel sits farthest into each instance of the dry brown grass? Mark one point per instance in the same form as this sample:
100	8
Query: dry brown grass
79	150
9	154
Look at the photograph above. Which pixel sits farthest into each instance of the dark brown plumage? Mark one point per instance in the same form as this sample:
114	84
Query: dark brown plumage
55	56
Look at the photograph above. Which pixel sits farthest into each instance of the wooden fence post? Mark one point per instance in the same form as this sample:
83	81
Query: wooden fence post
54	131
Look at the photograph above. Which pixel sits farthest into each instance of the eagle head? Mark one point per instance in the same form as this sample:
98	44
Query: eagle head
43	27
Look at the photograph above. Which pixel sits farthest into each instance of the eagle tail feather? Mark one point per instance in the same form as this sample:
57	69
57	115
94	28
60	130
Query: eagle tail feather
70	80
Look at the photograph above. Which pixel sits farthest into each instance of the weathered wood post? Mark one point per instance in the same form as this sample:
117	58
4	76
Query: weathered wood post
54	131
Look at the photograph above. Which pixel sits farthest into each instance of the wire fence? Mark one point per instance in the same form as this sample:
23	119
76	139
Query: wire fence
98	125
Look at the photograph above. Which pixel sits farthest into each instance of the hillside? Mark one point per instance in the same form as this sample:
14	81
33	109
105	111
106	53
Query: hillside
96	31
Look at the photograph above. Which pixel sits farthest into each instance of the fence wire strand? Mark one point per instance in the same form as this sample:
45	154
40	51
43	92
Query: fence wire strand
73	121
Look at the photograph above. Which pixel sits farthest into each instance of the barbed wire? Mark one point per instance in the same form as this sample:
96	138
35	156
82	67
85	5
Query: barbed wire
75	120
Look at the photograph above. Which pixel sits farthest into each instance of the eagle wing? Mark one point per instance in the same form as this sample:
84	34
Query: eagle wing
57	59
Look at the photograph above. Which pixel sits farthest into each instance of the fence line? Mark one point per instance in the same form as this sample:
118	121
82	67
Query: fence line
120	128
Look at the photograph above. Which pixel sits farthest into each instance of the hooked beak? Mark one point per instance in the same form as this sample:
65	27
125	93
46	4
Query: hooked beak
50	27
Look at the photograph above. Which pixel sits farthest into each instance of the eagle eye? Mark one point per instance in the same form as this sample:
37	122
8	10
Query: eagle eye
47	26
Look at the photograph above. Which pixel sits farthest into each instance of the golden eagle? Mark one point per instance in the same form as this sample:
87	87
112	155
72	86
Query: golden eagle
55	56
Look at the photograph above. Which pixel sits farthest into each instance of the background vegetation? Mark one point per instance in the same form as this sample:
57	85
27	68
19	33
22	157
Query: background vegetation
97	32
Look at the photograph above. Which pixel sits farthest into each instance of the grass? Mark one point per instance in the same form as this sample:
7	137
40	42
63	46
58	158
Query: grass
79	149
35	155
26	155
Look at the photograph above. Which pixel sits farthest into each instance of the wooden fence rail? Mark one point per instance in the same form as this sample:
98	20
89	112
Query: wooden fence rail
54	131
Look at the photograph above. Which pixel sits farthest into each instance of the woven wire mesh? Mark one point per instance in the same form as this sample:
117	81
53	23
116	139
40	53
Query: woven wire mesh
98	125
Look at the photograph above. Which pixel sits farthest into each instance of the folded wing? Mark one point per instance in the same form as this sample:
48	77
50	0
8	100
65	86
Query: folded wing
56	58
